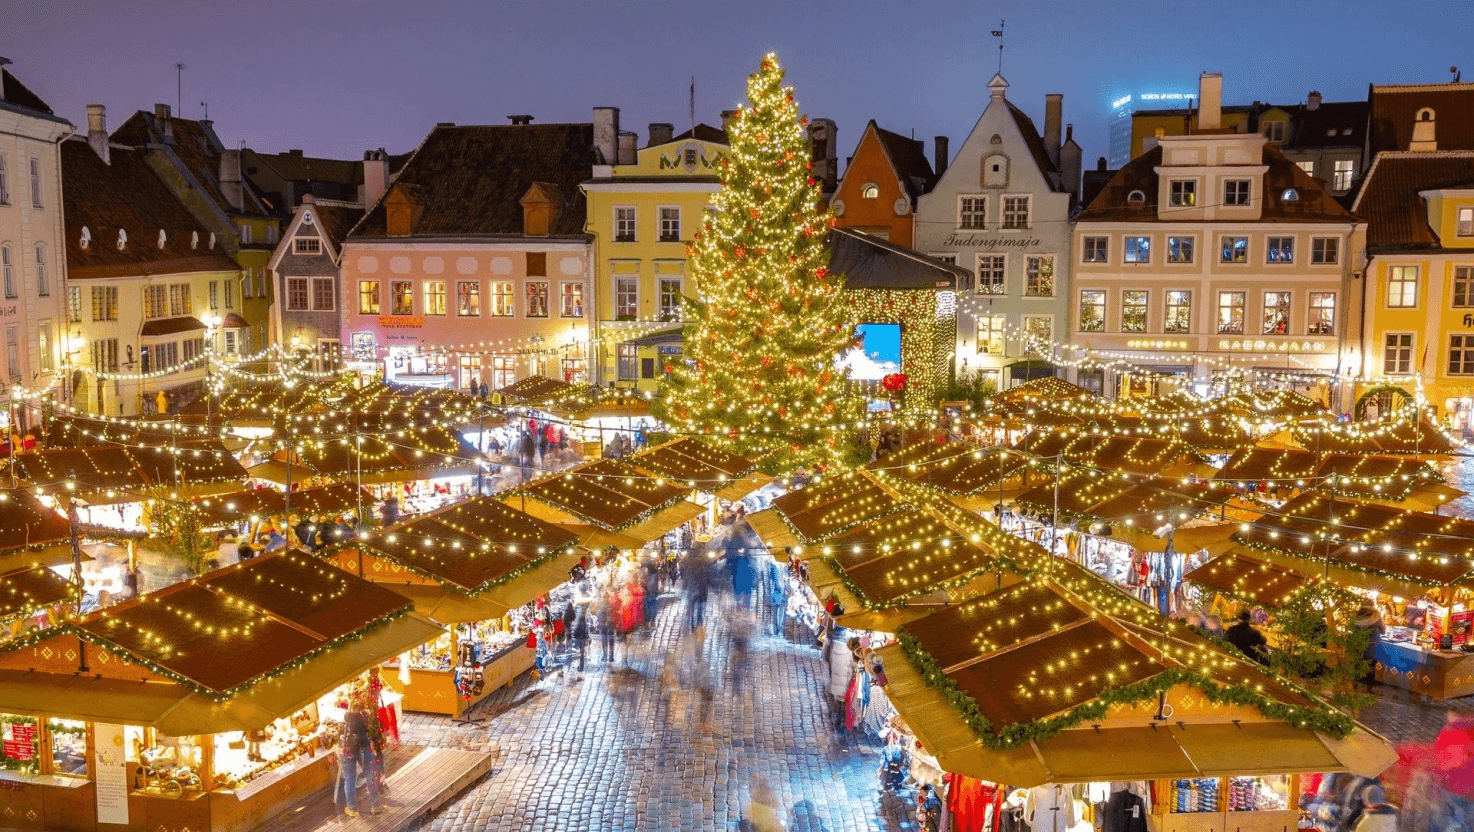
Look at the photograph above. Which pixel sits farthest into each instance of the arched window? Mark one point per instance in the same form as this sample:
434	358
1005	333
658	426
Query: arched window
1136	197
870	191
1290	195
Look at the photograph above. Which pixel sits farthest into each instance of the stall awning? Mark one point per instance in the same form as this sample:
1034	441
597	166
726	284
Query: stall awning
449	606
597	540
1091	755
176	711
172	326
664	520
772	530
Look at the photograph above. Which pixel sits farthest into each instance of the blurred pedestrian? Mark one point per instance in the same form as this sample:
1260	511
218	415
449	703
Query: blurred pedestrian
389	512
696	575
581	636
777	617
1248	640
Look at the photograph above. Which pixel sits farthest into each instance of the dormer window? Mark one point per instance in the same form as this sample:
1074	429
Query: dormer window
1290	195
1182	193
194	239
870	191
122	239
1426	114
86	238
1136	197
163	238
212	241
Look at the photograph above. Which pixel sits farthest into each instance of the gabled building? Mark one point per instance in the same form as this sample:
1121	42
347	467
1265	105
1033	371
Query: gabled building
32	262
1419	288
1001	211
475	264
305	267
1397	112
148	284
206	175
1209	255
882	182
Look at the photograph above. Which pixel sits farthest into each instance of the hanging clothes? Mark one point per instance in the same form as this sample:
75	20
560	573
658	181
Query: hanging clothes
1050	808
857	697
972	804
1124	812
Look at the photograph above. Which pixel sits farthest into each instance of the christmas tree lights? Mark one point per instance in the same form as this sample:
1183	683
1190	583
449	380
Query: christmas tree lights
760	375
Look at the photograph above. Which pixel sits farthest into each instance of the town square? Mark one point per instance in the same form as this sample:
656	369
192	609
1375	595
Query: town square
395	436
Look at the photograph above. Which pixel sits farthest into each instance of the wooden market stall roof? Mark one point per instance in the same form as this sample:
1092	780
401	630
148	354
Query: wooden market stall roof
27	524
1139	456
125	470
1238	575
533	388
1400	437
701	466
258	502
1046	389
30	588
412	453
1282	466
1046	680
610	494
954	467
1370	539
833	504
230	650
471	546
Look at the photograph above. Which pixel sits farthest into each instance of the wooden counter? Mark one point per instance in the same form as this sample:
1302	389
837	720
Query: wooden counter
1441	674
434	691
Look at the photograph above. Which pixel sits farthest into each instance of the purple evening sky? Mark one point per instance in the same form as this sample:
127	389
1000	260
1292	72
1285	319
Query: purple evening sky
335	78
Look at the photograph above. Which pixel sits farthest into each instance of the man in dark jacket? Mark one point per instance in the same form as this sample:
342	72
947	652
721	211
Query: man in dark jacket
304	531
1250	641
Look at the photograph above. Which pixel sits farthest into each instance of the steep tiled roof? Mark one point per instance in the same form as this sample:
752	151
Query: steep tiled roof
1314	204
12	91
908	156
1031	138
1397	219
1332	124
127	195
337	220
705	133
294	167
1394	107
471	178
197	147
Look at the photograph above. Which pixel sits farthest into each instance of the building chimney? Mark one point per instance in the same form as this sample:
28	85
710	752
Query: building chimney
940	165
375	177
1102	165
1312	101
1210	101
520	119
97	132
727	122
825	156
1053	114
1424	136
1069	164
661	133
627	143
230	178
165	122
606	135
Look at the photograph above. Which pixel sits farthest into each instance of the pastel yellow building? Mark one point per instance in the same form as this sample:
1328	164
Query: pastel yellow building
641	215
1419	291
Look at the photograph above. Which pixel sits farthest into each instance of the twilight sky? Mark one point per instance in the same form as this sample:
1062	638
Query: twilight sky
335	78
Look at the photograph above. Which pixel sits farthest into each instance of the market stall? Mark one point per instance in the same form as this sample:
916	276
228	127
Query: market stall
977	480
474	566
1025	697
1417	567
31	532
144	717
33	598
247	511
608	494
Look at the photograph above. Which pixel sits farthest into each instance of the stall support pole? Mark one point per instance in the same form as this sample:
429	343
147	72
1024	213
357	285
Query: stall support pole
207	762
74	521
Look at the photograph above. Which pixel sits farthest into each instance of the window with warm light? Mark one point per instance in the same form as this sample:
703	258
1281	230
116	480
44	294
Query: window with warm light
368	297
434	297
1134	309
1179	311
468	299
1402	287
1092	310
503	298
1397	353
1231	313
402	297
1322	313
1276	313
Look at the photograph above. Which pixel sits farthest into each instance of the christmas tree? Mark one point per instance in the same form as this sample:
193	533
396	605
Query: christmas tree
760	375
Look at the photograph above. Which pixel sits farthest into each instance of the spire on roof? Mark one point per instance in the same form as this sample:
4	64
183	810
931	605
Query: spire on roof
998	85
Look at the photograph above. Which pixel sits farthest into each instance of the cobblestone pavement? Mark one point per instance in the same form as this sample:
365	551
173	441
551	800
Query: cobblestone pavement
609	752
1403	716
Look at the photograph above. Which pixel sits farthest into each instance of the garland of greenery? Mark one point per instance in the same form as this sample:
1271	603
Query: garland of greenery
1372	570
1323	720
32	765
905	598
634	521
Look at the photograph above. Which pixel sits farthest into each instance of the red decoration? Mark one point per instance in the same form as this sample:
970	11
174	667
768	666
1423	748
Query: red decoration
894	383
820	272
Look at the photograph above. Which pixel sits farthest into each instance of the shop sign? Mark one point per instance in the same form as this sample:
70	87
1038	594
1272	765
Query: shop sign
1141	344
19	741
14	309
111	769
990	243
401	320
1272	346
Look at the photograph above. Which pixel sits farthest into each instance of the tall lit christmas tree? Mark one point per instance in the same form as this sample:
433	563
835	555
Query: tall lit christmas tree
760	374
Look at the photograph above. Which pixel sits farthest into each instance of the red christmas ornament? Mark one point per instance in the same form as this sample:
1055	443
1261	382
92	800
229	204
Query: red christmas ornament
820	272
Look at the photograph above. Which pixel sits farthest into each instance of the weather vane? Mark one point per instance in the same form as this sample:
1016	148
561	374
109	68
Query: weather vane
998	33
